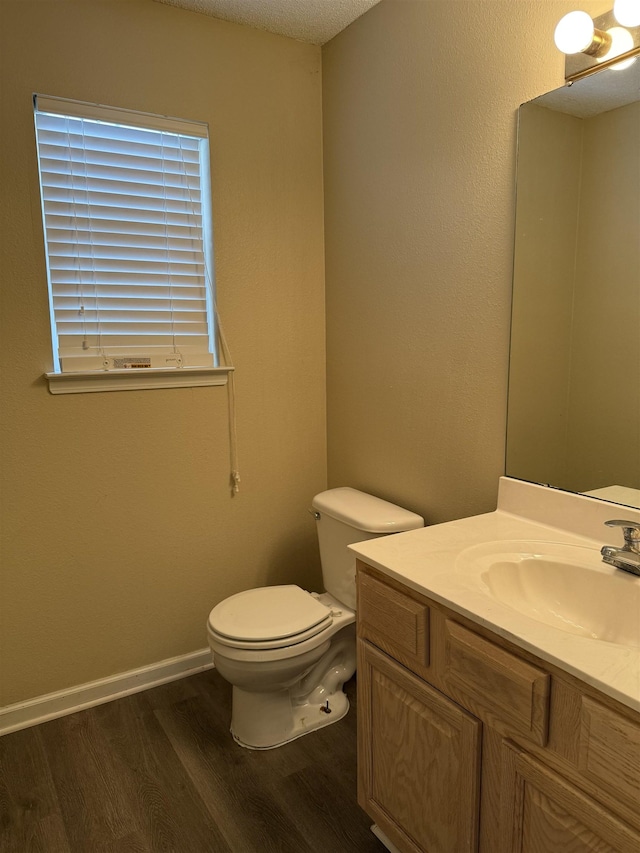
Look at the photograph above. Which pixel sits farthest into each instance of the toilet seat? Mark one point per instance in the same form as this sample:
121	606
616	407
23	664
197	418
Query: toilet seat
269	618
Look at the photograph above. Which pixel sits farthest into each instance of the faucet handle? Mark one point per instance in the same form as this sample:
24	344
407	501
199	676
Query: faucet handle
630	531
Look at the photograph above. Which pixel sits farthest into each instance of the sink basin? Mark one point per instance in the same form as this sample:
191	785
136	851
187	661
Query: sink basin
564	586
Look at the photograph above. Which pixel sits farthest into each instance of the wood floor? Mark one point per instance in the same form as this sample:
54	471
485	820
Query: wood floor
159	771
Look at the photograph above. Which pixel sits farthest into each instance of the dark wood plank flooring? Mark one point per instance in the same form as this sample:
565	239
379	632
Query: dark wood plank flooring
159	771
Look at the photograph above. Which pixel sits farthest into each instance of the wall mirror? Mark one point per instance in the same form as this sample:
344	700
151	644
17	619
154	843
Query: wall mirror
574	379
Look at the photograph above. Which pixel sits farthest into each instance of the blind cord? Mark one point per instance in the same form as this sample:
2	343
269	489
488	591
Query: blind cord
79	270
98	317
234	479
166	240
234	475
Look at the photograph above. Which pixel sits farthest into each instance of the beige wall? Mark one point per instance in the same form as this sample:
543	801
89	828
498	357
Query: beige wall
549	174
574	407
420	100
119	532
604	403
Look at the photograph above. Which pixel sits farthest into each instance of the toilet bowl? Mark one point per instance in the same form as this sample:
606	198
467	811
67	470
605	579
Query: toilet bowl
288	652
286	685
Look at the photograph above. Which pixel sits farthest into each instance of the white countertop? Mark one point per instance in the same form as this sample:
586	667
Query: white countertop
429	561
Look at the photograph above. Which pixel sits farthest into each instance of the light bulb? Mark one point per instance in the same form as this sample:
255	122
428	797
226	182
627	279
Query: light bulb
627	12
574	32
621	42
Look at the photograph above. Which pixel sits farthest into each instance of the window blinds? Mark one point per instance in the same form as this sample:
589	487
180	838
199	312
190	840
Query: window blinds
126	213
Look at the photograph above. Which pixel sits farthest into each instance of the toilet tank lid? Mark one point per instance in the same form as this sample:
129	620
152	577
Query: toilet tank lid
365	512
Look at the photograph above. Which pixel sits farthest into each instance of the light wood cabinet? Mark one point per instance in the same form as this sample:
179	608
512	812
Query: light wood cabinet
420	748
468	744
542	812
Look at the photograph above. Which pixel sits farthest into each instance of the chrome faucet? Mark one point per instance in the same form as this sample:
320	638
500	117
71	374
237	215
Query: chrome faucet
626	558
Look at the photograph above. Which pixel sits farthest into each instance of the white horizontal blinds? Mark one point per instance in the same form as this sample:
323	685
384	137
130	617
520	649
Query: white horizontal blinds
126	238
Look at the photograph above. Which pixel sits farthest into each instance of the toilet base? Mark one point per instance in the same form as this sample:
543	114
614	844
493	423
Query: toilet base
268	720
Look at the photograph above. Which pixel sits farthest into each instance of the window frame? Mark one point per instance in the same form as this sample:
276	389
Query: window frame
86	379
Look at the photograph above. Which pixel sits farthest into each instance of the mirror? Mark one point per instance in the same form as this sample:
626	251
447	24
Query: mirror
574	378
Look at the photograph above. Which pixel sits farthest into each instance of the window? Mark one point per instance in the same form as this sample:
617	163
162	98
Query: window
128	237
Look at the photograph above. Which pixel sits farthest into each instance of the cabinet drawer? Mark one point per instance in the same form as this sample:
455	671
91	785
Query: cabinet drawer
610	751
393	621
496	685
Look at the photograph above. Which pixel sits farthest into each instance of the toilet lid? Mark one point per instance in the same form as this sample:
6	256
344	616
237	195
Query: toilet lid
269	613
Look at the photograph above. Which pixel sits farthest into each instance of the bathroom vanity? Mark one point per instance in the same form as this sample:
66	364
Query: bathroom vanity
484	725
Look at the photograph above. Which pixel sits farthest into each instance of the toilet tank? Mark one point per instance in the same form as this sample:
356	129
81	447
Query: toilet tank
345	516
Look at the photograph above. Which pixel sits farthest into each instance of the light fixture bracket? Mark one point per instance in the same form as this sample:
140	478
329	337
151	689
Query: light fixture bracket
578	65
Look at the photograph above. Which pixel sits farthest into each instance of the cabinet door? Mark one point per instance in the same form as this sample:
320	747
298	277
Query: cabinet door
418	759
540	812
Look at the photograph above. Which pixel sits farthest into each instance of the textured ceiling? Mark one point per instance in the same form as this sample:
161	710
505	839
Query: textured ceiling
607	90
314	21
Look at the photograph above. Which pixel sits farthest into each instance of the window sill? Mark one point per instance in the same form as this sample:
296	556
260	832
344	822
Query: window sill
86	381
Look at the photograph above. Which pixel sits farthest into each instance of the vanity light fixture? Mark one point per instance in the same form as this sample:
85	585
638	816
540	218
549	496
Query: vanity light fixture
591	45
621	44
627	12
576	33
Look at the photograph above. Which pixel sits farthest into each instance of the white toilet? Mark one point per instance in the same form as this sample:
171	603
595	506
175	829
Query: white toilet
288	652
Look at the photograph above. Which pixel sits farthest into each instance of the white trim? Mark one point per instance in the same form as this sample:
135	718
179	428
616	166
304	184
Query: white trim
136	380
118	115
22	715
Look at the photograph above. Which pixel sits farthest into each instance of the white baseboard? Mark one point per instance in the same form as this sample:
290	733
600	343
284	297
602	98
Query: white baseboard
52	705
